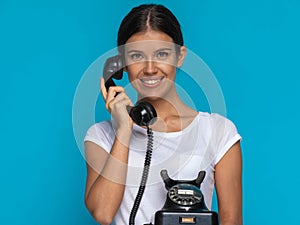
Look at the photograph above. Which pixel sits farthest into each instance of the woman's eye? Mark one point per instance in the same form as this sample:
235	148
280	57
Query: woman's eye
136	57
162	55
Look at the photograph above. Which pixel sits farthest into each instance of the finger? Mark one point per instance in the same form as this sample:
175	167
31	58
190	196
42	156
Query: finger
115	89
112	93
103	89
112	98
120	100
119	105
122	96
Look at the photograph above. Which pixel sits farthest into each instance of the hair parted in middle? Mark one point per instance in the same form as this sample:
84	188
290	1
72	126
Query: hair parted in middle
150	17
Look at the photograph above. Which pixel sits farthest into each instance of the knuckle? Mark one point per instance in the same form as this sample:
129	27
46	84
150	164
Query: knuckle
110	104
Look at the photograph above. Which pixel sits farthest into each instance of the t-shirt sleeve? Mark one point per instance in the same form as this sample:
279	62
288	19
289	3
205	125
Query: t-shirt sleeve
101	134
226	135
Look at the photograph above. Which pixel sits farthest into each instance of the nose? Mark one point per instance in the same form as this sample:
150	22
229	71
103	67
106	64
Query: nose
150	67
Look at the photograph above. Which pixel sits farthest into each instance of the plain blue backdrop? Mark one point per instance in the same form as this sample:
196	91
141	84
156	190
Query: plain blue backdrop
252	47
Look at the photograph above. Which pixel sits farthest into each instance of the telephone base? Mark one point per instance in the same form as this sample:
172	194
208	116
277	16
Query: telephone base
188	218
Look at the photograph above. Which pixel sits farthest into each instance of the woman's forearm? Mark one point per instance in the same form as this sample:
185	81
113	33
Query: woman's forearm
106	193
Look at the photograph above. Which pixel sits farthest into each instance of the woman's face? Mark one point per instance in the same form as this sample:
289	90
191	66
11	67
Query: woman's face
151	62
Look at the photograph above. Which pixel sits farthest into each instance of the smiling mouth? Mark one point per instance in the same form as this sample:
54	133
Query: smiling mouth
151	82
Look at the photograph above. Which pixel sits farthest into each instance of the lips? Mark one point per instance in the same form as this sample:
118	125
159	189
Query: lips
151	82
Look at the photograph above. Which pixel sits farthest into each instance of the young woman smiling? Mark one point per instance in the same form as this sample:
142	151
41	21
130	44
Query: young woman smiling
186	141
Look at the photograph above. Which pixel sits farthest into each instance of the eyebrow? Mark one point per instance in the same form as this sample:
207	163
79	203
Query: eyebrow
164	49
158	50
131	51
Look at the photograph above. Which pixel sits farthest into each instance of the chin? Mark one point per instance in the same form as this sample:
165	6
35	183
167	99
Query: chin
148	97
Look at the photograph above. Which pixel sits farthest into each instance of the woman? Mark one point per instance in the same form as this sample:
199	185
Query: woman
185	141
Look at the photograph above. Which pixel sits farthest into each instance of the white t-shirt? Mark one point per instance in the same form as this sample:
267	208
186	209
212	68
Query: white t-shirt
200	146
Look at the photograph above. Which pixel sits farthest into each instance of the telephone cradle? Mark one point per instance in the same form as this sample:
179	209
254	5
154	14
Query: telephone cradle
184	203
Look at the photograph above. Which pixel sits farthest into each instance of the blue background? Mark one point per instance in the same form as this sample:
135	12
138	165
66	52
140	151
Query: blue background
46	46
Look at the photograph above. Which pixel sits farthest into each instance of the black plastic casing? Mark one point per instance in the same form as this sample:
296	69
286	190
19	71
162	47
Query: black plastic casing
178	218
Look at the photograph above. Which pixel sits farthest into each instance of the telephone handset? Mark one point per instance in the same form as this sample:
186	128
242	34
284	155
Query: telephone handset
143	113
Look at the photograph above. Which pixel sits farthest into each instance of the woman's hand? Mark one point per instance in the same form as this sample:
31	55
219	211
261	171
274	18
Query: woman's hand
116	104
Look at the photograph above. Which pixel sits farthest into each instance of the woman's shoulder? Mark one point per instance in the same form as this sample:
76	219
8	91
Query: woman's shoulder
211	116
215	120
102	134
103	127
105	124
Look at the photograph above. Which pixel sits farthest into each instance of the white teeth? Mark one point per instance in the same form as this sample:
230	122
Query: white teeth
151	81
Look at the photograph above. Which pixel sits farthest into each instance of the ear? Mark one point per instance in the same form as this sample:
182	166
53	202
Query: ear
181	56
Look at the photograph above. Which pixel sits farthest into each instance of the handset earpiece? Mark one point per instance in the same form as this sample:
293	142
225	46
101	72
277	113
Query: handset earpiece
143	114
113	68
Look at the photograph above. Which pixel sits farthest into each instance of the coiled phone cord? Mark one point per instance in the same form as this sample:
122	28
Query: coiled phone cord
144	178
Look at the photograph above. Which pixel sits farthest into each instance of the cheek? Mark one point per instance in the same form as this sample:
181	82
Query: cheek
133	72
136	70
169	70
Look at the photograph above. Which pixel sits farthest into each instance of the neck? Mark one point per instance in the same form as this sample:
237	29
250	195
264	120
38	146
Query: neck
172	113
172	105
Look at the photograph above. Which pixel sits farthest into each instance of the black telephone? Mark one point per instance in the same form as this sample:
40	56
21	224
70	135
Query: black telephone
143	114
184	203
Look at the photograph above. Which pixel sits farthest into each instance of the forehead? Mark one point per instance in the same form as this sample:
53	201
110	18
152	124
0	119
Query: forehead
149	46
149	40
150	35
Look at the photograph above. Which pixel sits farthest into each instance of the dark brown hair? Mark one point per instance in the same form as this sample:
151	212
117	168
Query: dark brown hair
150	16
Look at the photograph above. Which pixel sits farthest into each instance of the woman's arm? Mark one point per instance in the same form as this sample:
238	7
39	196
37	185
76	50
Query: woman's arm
107	172
106	176
228	178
